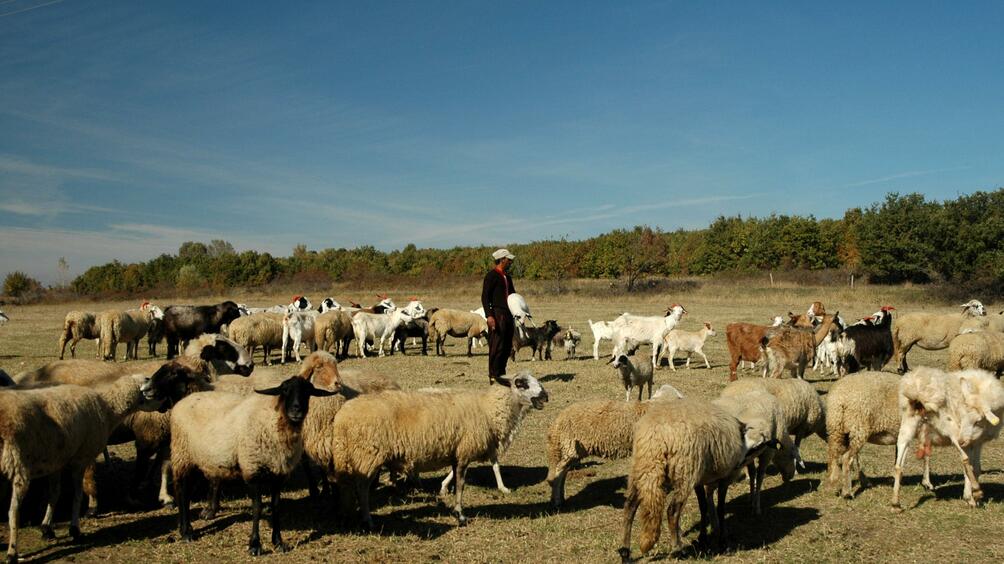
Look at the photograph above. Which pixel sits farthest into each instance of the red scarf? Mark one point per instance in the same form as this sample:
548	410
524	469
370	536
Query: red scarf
501	271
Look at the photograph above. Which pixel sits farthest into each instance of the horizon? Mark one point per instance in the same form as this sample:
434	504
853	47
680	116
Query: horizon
130	128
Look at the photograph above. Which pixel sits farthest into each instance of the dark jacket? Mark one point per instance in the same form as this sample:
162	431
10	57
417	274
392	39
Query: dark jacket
493	292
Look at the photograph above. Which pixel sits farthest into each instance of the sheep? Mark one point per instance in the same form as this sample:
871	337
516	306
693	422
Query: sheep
299	327
861	408
984	349
649	330
760	410
965	407
601	330
743	340
256	437
537	338
76	326
443	430
632	375
127	326
932	331
263	330
455	323
185	322
686	341
51	429
568	339
867	345
601	428
366	325
205	358
333	330
803	409
679	447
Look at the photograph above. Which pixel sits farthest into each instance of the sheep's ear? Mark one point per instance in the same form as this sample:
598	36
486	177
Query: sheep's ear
318	392
208	352
270	391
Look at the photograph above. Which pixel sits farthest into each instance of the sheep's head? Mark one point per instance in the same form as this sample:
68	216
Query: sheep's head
529	390
328	304
321	368
974	308
619	360
294	397
667	392
171	382
219	349
227	312
757	438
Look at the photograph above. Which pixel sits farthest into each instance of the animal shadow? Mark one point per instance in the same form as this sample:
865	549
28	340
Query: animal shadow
560	377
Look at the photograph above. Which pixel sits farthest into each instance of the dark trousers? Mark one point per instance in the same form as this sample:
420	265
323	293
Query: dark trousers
500	343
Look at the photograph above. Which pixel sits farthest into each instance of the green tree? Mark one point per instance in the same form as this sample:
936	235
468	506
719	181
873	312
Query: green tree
17	284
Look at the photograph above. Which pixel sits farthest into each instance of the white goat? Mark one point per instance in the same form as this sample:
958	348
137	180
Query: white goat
370	325
637	329
298	326
686	341
601	330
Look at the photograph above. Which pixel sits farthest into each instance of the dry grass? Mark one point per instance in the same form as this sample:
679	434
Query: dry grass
802	519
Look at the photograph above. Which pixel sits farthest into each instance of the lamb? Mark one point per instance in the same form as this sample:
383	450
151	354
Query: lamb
984	350
263	330
298	327
370	325
632	375
679	447
333	330
443	430
255	437
537	338
932	331
687	341
79	420
868	346
603	428
964	407
568	339
76	326
649	330
601	330
455	323
760	410
744	342
861	408
185	322
803	409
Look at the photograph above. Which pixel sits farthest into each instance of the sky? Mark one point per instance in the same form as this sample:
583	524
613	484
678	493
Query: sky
127	128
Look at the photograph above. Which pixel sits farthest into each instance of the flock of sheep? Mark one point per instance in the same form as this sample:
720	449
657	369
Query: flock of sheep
208	409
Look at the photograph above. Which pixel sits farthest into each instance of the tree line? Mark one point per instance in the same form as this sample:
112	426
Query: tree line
904	238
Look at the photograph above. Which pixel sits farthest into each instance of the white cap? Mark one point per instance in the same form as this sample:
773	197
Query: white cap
503	253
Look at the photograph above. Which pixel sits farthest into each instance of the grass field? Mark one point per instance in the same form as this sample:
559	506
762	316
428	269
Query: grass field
802	521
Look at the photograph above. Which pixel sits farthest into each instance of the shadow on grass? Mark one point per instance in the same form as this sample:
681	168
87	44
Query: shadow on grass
560	377
148	527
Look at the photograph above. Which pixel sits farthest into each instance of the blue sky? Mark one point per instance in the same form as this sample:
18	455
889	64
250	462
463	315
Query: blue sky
127	128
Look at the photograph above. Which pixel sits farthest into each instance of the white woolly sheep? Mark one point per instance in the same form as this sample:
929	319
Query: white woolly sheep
759	410
964	407
603	428
258	330
633	375
455	323
802	407
689	342
76	326
79	420
983	349
128	327
679	447
634	328
228	436
443	430
333	332
933	331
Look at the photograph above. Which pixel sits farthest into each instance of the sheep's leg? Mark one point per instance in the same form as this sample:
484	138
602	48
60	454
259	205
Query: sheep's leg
164	458
254	542
672	359
498	477
556	479
926	482
852	451
444	488
723	489
90	487
50	508
19	487
183	501
630	509
596	349
277	544
907	431
77	476
688	360
761	471
972	493
459	470
627	393
363	497
702	504
213	503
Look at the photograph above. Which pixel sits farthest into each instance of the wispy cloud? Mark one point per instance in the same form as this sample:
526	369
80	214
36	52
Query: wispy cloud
30	8
907	174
